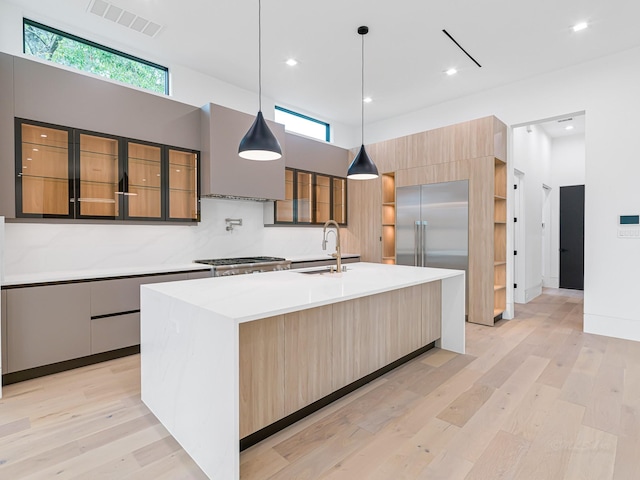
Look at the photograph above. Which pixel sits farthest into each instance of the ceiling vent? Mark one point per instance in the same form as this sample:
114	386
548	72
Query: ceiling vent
109	11
565	119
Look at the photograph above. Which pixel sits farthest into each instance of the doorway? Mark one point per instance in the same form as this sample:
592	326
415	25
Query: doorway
546	236
572	237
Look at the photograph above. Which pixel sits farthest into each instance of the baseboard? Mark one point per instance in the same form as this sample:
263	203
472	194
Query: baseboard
22	375
551	282
532	292
625	328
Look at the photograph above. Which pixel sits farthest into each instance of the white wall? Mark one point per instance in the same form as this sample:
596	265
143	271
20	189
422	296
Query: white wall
606	89
531	154
567	168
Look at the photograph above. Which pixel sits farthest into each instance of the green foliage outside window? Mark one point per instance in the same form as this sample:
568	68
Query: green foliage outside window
64	49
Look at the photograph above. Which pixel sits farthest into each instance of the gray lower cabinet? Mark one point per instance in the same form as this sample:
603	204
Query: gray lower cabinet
47	324
115	310
42	325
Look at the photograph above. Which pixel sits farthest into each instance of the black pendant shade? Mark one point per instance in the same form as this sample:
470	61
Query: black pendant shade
362	168
260	143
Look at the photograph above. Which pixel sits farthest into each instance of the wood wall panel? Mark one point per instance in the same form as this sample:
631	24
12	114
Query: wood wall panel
405	329
261	373
352	341
481	242
431	318
307	357
465	151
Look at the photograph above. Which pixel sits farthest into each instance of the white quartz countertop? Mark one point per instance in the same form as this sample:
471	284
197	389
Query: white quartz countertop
316	257
244	298
89	274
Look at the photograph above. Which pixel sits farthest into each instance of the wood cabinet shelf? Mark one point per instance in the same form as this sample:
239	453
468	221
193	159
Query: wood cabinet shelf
389	218
500	238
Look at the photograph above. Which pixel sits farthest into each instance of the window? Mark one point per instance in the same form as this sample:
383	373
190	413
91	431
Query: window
302	124
65	49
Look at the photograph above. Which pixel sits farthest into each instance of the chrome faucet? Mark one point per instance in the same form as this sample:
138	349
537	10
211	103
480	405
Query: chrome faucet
336	254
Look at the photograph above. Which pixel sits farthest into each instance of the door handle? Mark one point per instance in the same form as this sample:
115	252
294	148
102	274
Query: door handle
424	242
563	250
416	244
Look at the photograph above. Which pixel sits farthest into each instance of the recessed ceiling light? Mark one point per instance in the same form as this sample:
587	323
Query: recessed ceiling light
579	26
451	71
292	62
367	99
569	127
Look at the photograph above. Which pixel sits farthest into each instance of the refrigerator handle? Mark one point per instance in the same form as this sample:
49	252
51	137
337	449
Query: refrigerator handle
417	243
424	241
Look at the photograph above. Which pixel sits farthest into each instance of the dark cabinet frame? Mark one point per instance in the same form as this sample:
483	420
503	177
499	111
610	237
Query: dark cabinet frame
313	199
74	153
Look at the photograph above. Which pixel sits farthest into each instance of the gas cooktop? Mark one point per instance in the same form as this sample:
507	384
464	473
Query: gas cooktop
239	261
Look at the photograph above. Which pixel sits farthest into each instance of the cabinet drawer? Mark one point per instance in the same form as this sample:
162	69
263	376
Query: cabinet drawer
114	296
123	294
118	331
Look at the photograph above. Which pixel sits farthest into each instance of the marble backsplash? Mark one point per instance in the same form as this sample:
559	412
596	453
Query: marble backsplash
52	247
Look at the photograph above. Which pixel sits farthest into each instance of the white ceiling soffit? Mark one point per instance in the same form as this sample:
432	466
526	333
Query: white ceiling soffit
119	15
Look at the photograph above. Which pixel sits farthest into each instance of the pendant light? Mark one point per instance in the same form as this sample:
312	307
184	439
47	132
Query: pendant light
362	167
260	143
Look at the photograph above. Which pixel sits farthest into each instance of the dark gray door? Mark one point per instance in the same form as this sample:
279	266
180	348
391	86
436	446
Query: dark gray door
572	237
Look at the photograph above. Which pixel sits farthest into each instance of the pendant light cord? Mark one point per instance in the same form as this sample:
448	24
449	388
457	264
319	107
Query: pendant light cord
362	96
260	55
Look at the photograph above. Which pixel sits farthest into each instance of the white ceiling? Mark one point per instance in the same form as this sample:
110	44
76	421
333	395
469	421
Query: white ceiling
558	127
406	51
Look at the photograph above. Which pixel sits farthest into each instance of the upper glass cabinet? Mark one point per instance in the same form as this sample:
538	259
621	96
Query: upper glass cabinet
312	199
144	181
68	173
99	193
44	171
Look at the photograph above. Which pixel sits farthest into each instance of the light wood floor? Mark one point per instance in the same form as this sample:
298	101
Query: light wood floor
534	398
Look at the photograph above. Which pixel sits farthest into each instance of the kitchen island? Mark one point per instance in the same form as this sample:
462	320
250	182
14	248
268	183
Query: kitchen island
224	358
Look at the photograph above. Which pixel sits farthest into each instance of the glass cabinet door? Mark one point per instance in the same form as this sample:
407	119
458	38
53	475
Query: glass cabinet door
100	191
44	184
304	197
284	208
323	198
143	194
183	185
339	200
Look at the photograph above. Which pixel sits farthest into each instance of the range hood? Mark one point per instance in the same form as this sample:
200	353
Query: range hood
224	174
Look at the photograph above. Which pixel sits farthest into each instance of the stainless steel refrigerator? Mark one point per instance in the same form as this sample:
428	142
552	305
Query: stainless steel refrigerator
432	226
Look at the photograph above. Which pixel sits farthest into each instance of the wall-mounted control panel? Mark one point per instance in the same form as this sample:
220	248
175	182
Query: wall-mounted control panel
629	226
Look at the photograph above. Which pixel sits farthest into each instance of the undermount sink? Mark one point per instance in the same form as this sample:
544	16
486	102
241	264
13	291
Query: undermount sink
327	270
